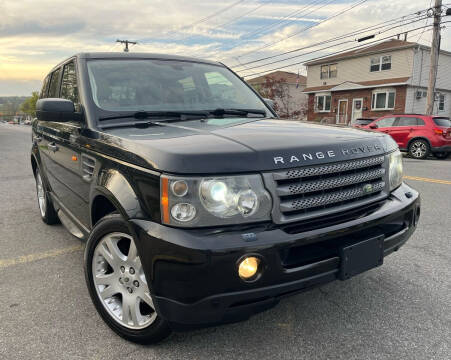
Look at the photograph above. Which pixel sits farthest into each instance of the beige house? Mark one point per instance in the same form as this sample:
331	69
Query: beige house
288	90
389	77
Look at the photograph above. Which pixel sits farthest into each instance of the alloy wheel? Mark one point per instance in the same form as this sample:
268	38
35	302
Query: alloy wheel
418	149
41	194
120	282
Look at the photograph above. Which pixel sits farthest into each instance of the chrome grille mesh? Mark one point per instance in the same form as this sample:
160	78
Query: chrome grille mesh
330	183
329	168
317	190
330	198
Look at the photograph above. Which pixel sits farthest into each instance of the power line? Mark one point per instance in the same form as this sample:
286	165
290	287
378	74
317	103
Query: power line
294	13
307	28
356	32
267	27
206	18
427	20
234	20
324	48
330	54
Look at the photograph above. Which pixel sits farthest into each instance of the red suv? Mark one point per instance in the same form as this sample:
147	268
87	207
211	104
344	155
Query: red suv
419	135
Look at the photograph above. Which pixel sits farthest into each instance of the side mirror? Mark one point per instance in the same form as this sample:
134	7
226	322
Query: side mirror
269	102
59	110
373	126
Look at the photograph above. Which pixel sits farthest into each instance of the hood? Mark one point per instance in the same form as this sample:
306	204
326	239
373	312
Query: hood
239	145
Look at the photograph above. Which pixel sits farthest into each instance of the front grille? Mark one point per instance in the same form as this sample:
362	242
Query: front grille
313	191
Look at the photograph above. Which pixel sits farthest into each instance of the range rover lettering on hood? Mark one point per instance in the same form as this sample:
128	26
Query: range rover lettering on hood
326	154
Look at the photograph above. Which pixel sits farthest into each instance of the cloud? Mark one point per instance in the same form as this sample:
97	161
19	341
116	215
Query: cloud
34	36
40	28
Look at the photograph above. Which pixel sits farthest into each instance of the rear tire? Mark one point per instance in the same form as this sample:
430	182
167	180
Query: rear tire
441	155
117	283
419	149
48	213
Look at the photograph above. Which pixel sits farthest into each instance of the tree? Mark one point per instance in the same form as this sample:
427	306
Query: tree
278	91
29	105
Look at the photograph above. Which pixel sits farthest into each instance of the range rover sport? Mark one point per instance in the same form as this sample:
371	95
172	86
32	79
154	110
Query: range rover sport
197	204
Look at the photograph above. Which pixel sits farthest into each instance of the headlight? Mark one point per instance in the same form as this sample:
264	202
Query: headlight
395	169
210	201
228	197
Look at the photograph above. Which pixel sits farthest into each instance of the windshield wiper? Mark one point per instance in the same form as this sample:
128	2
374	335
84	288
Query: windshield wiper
238	112
142	116
158	114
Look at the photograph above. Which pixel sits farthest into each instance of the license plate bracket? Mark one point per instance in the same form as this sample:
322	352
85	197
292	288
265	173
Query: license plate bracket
361	257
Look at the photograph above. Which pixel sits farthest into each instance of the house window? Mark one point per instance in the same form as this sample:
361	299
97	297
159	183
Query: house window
380	63
324	71
333	70
323	103
328	71
386	62
441	102
383	100
375	64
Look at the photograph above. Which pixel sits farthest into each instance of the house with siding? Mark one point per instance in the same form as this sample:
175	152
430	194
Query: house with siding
390	77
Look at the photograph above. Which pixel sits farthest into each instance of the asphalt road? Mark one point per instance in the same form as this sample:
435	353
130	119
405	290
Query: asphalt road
399	311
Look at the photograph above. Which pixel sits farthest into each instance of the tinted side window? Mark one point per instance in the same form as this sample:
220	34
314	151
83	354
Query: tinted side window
54	84
69	87
387	122
420	122
442	122
45	84
407	121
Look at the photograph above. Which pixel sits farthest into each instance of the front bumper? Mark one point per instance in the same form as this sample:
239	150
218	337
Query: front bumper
193	273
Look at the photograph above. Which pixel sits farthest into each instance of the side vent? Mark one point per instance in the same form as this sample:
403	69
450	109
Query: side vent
87	167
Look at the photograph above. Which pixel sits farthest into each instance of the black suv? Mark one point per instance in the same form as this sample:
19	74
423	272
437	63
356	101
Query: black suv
199	206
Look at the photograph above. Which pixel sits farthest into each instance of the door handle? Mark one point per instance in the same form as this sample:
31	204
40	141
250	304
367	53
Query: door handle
52	147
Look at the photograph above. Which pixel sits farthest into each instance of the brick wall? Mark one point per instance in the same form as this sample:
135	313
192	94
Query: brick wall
400	104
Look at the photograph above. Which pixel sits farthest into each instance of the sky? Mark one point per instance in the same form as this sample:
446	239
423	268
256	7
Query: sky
37	35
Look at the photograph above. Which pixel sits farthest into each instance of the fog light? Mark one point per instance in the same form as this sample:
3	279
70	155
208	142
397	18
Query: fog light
248	267
183	212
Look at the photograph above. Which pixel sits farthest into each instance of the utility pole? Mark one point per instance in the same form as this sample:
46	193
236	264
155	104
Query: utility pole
435	51
126	42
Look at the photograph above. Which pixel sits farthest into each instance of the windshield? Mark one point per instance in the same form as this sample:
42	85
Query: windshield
167	85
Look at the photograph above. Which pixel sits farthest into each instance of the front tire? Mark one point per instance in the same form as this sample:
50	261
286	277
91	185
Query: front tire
117	283
419	149
48	213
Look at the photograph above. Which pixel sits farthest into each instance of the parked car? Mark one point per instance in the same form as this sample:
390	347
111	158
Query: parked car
200	206
419	135
361	122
